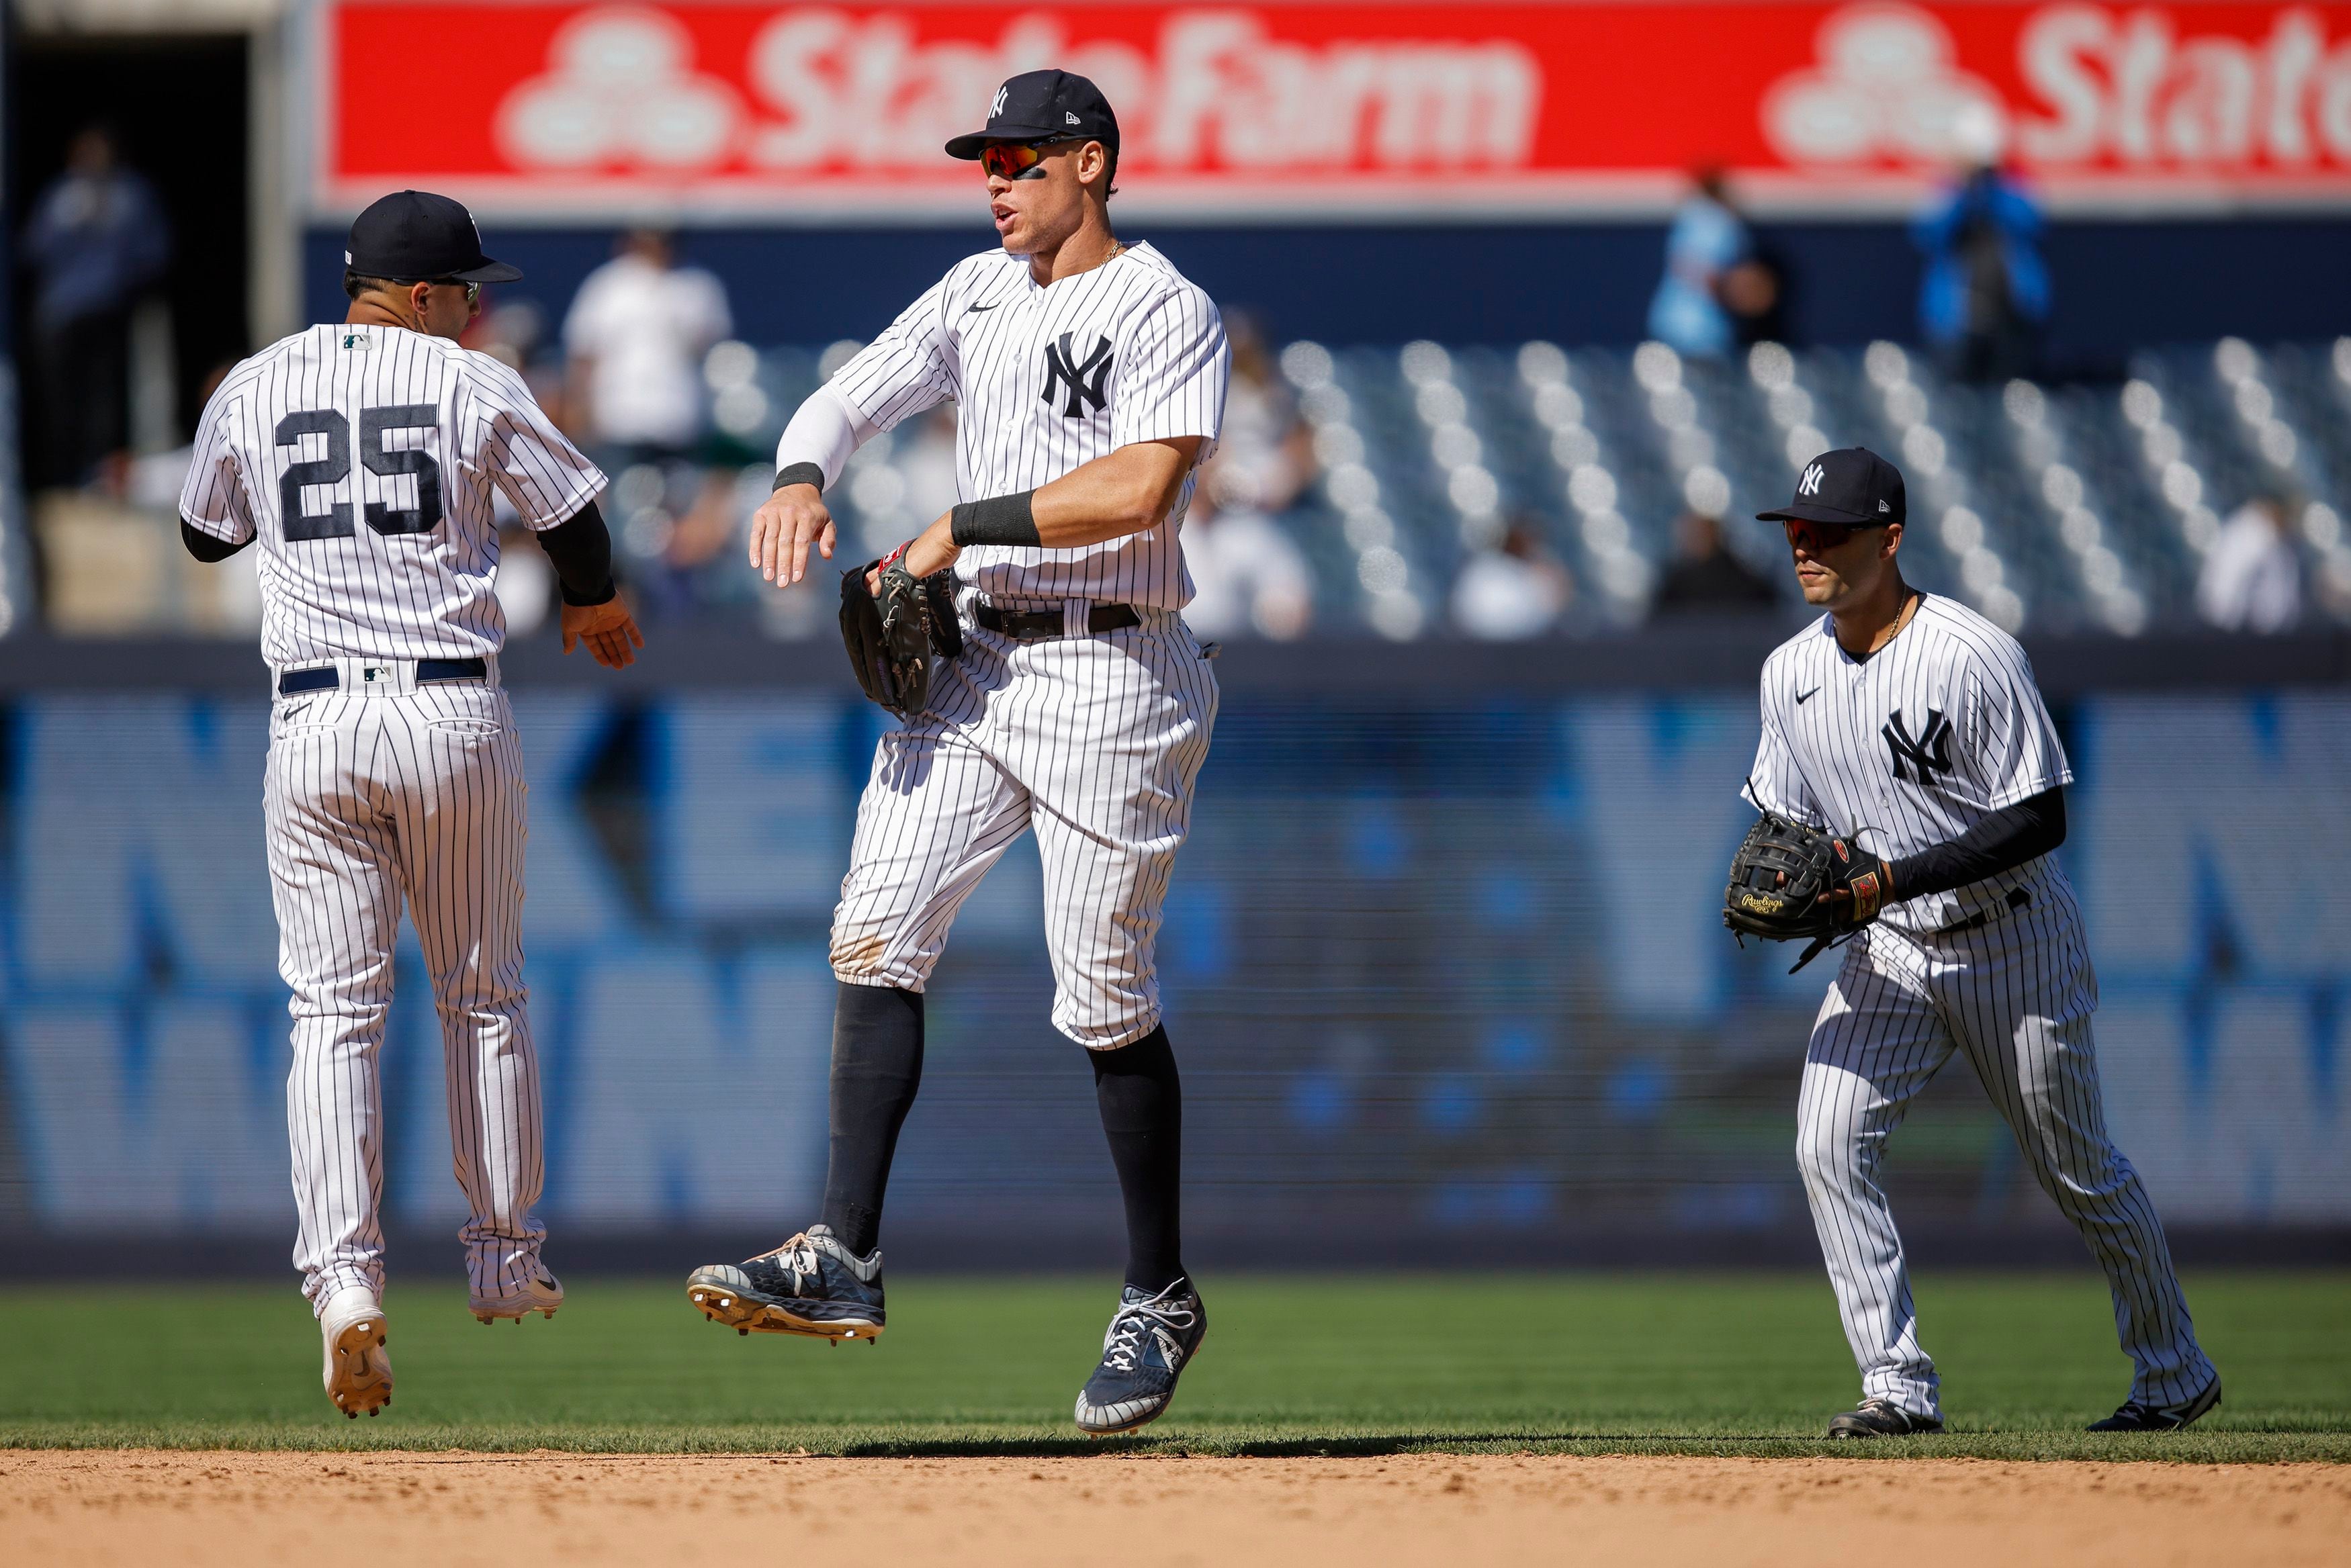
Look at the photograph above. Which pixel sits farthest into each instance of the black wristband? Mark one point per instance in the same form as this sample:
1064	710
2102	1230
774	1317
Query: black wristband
581	601
798	474
998	520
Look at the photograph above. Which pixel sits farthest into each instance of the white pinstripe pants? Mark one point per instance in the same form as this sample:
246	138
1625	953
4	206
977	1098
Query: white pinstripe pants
1094	741
372	799
2015	996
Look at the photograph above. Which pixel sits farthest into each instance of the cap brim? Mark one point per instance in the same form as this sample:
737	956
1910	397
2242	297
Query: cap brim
1809	512
489	272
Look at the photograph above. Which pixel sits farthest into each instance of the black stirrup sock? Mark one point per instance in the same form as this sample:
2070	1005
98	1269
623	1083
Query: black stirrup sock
1143	1112
877	1066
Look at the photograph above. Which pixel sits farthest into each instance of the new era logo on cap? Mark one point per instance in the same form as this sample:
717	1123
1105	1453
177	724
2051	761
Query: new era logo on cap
1851	487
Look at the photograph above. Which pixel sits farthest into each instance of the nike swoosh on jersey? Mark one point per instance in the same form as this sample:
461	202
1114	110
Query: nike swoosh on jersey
976	309
1804	697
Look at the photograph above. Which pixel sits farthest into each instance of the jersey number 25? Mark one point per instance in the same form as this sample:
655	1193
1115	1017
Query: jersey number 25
336	467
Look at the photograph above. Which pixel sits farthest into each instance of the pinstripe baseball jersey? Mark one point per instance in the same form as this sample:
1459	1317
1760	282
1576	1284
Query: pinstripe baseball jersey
1048	378
1910	747
365	458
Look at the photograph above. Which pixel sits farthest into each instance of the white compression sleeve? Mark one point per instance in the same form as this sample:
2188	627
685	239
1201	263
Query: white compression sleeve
825	431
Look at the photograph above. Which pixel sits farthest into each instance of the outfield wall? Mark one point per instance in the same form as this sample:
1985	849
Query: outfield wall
1422	961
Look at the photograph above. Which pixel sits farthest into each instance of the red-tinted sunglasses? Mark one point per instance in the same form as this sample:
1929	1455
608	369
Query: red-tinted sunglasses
1018	160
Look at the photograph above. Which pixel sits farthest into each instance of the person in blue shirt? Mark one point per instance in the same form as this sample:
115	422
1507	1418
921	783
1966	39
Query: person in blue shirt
1708	241
97	241
1985	297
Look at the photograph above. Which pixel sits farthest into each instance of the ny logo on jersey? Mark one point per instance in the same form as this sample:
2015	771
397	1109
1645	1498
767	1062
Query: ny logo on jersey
1083	381
1809	485
1928	755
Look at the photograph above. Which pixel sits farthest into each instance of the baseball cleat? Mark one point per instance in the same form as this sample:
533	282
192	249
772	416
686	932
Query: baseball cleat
1875	1418
541	1293
1151	1340
810	1285
357	1372
2135	1417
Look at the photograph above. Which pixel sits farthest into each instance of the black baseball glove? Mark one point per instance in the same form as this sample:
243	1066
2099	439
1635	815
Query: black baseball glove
893	633
1792	883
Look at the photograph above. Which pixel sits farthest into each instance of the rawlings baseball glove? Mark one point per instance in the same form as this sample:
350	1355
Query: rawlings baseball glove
894	631
1790	883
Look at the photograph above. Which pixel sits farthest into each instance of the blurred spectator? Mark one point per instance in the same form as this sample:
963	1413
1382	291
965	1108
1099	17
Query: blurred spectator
526	579
636	335
1706	576
96	241
1986	291
1247	576
925	458
2252	579
1755	293
1265	455
1516	589
1707	244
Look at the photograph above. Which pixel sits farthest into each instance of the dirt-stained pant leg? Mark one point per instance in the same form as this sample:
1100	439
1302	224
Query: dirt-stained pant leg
937	813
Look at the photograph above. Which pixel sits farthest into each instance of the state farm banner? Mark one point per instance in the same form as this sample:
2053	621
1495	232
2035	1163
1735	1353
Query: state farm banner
816	113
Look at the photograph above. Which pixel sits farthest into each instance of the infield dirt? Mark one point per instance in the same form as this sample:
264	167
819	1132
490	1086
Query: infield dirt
252	1509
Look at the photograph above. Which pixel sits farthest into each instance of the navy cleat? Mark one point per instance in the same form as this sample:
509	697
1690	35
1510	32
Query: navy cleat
2135	1417
811	1285
1150	1343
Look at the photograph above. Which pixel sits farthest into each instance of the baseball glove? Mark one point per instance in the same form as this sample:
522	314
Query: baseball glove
1792	883
893	633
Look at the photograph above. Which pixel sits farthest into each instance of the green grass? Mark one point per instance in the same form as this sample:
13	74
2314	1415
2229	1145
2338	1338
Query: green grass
1734	1363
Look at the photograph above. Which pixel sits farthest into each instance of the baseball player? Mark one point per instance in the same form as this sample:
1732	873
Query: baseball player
1090	378
1908	723
364	457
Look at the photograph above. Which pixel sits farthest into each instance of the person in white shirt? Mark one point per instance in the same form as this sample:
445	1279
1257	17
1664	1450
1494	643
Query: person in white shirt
2252	579
1248	578
636	335
1513	591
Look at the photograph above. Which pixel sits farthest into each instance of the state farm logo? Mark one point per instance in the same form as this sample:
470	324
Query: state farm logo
1887	87
2095	89
861	91
620	88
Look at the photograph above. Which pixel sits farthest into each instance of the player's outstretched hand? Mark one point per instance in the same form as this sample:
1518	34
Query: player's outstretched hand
609	630
794	518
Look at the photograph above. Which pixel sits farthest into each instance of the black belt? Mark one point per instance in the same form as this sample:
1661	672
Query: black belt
1028	625
2018	899
329	679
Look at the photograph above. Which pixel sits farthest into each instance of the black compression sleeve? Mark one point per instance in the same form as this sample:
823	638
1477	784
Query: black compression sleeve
998	520
2001	841
203	546
581	548
798	474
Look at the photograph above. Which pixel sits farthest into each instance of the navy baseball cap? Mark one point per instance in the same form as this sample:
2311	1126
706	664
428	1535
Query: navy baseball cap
416	237
1036	106
1851	487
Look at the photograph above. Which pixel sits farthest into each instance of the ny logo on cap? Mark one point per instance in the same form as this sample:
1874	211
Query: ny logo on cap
1810	484
996	109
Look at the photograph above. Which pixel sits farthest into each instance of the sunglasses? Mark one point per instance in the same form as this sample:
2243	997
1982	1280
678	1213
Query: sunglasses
1018	160
473	290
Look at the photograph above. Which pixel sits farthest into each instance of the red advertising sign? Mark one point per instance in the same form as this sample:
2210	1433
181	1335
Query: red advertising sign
1298	107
